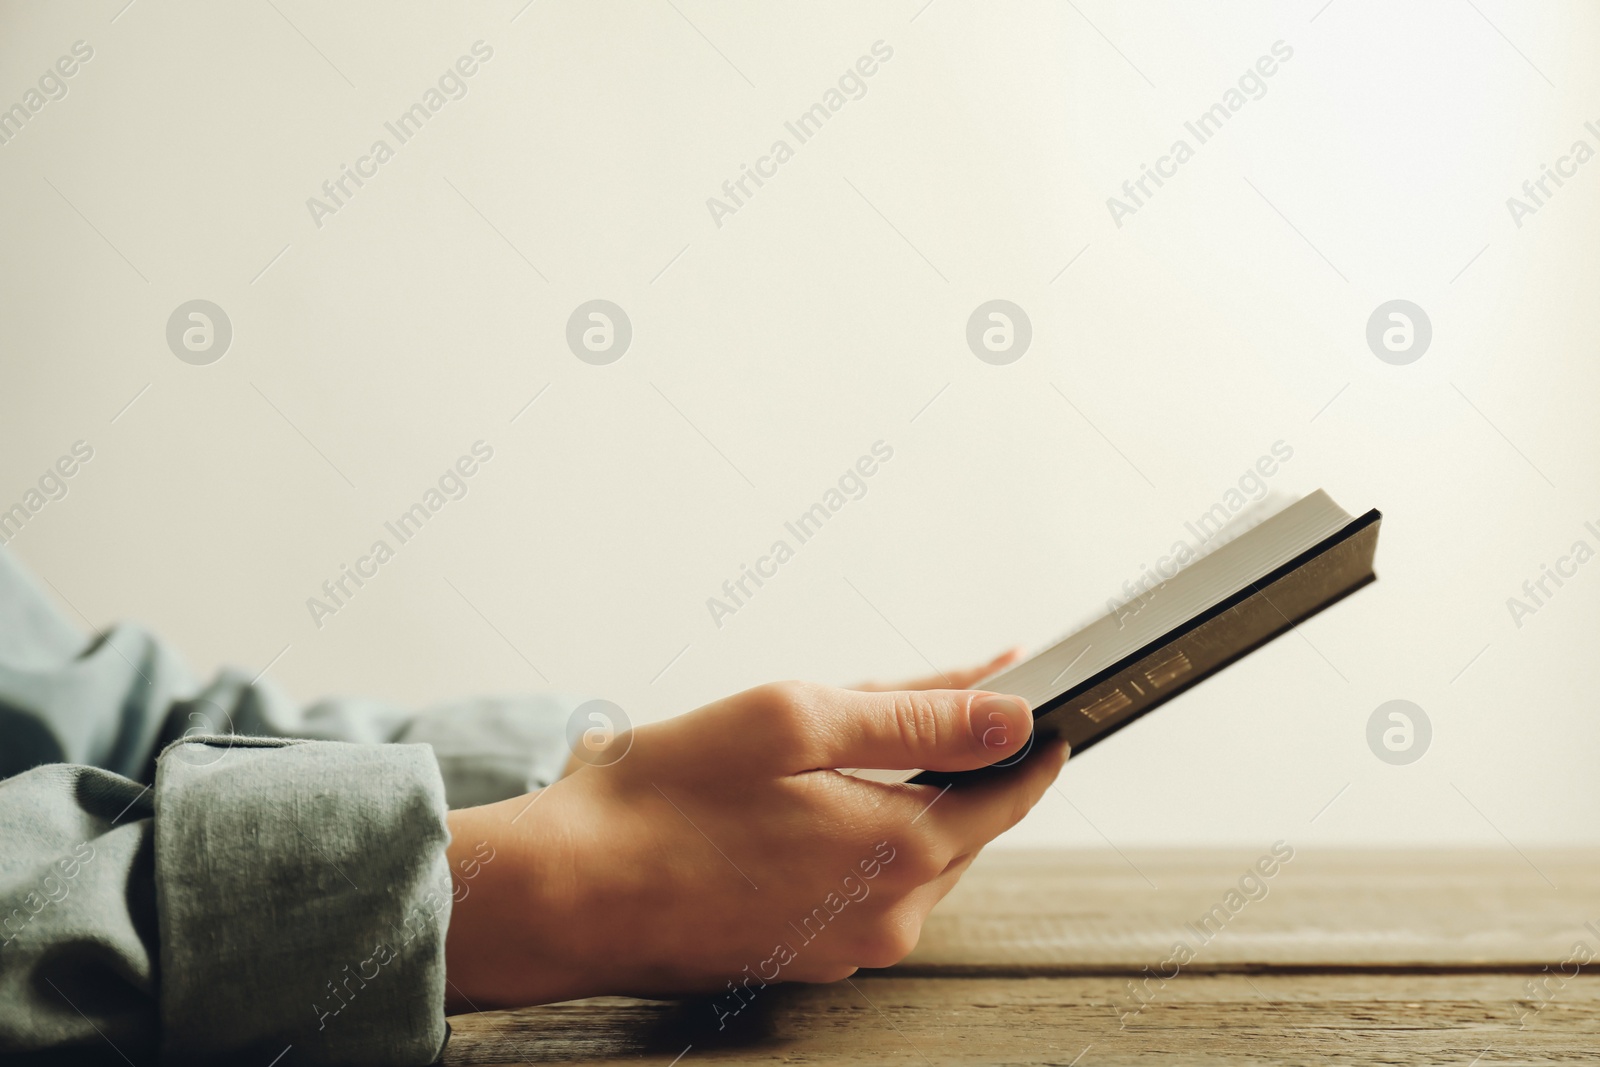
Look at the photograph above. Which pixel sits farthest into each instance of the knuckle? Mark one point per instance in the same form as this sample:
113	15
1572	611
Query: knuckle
887	943
777	695
783	707
1021	804
916	859
918	722
831	972
1019	811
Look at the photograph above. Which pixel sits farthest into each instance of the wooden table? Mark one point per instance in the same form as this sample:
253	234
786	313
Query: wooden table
1072	957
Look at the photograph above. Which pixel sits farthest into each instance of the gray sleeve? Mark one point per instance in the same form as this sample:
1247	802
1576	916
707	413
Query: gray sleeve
263	895
116	700
178	876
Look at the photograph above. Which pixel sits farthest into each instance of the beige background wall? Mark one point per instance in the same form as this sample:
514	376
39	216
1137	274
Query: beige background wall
827	313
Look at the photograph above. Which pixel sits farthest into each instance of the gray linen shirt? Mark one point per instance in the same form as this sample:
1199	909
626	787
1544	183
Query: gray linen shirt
195	873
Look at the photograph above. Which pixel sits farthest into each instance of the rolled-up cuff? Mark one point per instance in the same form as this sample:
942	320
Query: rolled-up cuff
303	895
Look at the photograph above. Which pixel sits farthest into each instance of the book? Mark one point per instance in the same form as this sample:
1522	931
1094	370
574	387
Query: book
1220	607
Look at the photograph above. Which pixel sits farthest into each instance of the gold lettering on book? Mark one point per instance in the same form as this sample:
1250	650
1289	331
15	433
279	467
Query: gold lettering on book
1107	706
1173	667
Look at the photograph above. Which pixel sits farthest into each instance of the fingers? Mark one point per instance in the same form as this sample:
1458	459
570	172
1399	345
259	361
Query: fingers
973	675
922	900
905	918
958	679
935	729
970	817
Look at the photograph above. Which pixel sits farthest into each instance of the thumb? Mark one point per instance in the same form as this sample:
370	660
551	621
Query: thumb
933	729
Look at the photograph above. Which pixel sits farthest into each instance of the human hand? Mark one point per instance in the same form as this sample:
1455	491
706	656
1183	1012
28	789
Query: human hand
958	679
965	678
724	846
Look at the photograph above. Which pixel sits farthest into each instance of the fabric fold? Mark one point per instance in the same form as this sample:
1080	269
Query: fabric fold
302	898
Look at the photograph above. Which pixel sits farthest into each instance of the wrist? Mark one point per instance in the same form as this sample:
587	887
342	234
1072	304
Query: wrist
511	910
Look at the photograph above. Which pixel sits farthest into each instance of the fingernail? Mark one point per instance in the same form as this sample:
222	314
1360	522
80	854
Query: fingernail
999	720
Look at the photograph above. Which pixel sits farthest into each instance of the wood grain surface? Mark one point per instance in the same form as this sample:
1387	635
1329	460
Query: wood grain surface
1058	957
1087	912
1236	1019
